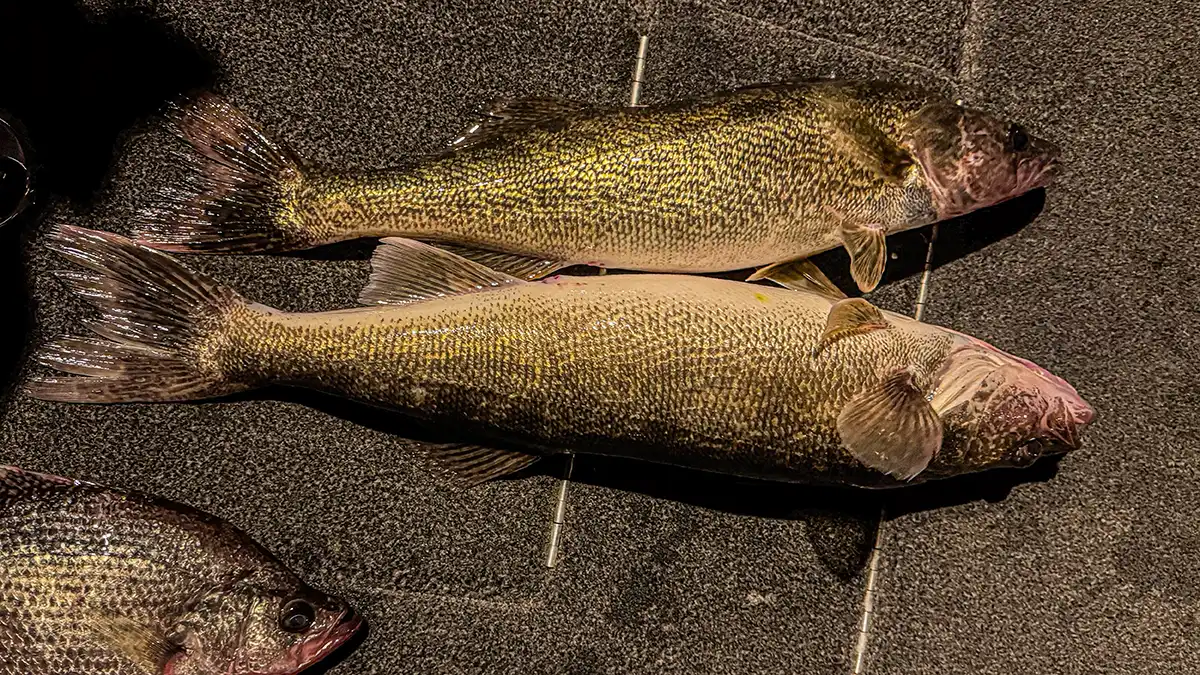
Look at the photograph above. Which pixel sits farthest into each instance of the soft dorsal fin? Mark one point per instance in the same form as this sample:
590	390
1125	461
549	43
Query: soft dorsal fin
472	464
799	275
891	427
863	141
852	316
17	484
142	645
404	271
519	266
503	116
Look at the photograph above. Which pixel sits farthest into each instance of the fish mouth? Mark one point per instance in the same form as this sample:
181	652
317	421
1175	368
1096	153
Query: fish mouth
320	647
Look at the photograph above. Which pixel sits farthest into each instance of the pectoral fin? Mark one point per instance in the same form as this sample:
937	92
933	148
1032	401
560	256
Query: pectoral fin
891	427
471	464
145	647
799	275
867	247
852	316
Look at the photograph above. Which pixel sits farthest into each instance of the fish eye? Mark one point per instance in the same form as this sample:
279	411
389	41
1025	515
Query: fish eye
297	616
1018	140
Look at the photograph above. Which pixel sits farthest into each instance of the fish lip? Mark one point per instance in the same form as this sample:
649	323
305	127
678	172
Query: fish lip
348	626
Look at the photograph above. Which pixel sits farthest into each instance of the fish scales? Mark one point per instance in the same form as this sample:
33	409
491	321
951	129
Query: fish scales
693	371
74	555
698	187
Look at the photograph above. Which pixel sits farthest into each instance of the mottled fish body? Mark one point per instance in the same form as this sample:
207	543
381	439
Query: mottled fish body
694	371
753	177
95	581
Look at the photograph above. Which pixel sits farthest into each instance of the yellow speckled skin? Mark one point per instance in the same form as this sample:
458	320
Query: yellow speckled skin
77	560
736	180
687	370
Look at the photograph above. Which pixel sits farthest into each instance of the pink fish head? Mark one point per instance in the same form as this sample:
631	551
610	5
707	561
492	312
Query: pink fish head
972	159
1001	410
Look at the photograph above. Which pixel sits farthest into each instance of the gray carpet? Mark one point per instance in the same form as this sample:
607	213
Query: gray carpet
662	570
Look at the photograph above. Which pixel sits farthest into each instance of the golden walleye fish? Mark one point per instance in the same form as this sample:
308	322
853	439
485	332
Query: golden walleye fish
755	177
689	370
95	581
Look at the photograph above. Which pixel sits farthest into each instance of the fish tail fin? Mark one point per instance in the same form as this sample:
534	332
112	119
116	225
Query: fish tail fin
160	335
243	194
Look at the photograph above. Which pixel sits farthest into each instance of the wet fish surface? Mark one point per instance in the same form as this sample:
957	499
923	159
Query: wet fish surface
95	581
756	177
720	375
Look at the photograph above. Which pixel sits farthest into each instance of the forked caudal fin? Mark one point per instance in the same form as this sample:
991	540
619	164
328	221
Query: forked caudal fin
242	194
154	338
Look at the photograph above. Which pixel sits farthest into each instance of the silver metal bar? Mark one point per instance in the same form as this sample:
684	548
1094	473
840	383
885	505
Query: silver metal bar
871	592
639	69
554	545
869	595
559	521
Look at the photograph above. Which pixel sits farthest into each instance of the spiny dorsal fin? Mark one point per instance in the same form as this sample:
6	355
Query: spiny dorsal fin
862	140
473	464
503	116
404	271
143	646
17	484
891	427
852	316
867	247
799	275
520	266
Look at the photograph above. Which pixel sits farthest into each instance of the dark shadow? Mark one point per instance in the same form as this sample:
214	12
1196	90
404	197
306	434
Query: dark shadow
16	305
342	653
79	84
841	520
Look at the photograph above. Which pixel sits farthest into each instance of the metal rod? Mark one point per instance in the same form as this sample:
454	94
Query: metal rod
554	545
559	521
871	592
639	69
869	595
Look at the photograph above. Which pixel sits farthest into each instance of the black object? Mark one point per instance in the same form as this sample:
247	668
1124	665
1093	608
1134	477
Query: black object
16	180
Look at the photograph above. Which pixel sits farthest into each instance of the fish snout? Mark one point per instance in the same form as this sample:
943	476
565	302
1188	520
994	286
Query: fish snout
1065	420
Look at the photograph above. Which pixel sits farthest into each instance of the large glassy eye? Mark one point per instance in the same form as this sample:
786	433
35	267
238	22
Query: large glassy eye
1018	140
297	616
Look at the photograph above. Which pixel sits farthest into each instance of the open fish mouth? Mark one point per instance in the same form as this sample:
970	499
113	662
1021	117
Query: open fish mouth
314	651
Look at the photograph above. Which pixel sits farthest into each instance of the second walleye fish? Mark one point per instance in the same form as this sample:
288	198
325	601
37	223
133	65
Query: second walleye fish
688	370
755	177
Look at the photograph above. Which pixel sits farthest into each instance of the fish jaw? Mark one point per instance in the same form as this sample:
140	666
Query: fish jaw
317	648
1002	410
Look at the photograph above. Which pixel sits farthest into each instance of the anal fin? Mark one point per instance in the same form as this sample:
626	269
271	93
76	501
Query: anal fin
891	427
473	464
799	275
404	271
519	266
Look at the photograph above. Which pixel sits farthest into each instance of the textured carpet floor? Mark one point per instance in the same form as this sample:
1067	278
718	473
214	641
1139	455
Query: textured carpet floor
1090	570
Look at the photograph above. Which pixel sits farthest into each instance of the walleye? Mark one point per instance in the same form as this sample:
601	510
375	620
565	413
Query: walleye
689	370
96	581
758	177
